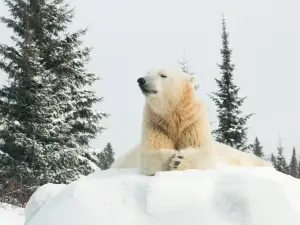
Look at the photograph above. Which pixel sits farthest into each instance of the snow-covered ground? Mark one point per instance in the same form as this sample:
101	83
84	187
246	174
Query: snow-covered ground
227	196
10	215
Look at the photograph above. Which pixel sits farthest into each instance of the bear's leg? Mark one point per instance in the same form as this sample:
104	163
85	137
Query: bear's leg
195	149
157	149
156	160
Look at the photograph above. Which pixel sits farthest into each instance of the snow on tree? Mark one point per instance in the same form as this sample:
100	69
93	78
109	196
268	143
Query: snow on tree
185	68
293	167
257	148
46	106
232	129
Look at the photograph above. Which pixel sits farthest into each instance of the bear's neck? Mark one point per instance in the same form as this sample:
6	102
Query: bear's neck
174	121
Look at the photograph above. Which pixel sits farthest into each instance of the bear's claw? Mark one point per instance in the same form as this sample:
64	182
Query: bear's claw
176	160
176	163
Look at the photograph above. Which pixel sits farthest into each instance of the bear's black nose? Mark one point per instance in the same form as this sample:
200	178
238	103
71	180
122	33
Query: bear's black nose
141	81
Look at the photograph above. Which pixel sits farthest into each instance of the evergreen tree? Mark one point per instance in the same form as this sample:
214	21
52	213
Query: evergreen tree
185	68
298	168
46	106
294	164
281	164
231	128
257	148
273	160
106	157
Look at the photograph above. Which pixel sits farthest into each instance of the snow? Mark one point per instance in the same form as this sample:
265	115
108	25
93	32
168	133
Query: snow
17	123
2	142
227	196
39	197
92	165
10	215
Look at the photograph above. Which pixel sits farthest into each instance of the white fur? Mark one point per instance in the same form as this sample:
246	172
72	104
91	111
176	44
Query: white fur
231	156
225	155
151	162
193	158
154	161
167	88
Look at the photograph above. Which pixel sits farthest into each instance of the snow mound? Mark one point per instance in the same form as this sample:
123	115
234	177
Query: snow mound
227	196
39	197
11	215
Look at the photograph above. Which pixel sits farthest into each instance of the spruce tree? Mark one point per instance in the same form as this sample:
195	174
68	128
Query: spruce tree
232	129
106	157
293	167
257	148
281	164
299	168
273	160
21	98
46	106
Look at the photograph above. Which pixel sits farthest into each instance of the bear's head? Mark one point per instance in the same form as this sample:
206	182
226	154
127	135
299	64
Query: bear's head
164	89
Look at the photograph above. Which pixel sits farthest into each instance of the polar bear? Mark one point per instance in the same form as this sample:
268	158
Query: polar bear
176	132
174	119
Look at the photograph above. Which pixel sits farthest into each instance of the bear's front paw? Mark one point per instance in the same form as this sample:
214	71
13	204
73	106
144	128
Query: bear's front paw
186	159
176	161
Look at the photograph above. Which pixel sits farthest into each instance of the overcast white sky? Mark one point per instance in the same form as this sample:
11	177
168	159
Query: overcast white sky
129	37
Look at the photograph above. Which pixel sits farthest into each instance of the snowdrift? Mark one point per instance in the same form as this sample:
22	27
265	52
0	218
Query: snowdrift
224	196
11	215
39	197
